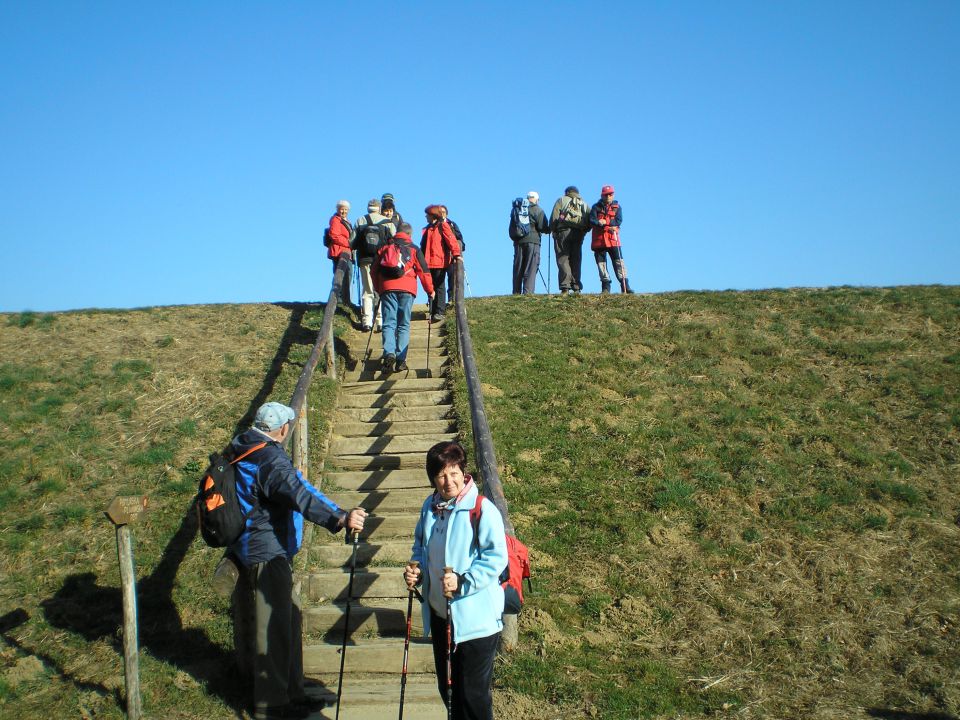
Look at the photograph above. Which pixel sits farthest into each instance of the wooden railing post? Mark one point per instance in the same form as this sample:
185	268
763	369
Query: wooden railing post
301	443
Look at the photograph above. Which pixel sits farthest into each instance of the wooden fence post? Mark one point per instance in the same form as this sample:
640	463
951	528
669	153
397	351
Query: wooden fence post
123	511
331	356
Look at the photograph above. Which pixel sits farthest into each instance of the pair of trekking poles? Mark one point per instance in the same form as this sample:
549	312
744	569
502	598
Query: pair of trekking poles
406	642
373	325
406	647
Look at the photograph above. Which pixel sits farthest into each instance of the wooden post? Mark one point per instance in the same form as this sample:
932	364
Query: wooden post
123	511
301	442
331	356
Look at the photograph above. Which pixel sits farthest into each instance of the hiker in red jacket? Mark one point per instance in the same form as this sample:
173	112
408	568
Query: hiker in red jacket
605	219
441	249
397	287
341	234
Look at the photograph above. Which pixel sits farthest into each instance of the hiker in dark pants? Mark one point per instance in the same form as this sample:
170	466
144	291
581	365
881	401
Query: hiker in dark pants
445	536
452	272
526	250
267	621
341	240
441	249
569	223
605	219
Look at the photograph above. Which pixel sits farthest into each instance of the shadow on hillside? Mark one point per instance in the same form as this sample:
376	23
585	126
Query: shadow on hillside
95	612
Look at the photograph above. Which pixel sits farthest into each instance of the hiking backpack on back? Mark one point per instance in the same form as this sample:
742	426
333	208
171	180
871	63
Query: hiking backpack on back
369	237
520	219
518	564
573	212
394	259
326	237
219	513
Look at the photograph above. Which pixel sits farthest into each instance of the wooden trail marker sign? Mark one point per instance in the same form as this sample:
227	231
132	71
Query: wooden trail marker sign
122	511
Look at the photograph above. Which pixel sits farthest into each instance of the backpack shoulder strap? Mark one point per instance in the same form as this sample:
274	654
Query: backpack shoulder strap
248	452
475	512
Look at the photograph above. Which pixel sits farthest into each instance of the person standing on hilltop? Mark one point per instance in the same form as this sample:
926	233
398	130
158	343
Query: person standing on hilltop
441	249
605	219
527	224
339	240
569	223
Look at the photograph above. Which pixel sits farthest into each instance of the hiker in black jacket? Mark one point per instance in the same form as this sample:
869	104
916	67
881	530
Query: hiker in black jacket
267	623
526	250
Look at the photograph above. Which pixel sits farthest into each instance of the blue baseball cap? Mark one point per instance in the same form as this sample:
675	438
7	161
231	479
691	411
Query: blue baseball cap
273	416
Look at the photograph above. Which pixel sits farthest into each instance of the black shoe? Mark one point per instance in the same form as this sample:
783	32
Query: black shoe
310	704
605	288
365	328
625	286
387	362
401	366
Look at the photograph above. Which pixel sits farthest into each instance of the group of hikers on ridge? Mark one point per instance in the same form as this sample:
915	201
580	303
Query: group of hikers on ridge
389	266
459	552
569	223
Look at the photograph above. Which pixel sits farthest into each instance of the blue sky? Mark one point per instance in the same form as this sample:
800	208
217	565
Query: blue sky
192	152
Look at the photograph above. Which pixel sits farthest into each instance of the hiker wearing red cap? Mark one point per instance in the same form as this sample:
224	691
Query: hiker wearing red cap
605	219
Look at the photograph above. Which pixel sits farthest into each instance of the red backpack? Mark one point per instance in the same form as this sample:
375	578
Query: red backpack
518	565
394	259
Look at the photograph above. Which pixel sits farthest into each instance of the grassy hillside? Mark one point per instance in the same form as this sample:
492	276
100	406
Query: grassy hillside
742	504
739	504
98	404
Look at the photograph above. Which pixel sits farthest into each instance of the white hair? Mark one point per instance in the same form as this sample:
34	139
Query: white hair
343	203
533	195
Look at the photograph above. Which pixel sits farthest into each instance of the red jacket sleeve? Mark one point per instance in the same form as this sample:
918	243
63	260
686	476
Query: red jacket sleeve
449	239
426	280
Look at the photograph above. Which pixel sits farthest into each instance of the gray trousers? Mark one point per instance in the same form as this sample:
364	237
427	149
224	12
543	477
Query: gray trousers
267	633
568	244
526	262
616	257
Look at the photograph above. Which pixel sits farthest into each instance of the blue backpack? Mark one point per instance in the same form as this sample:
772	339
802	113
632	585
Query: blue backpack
520	219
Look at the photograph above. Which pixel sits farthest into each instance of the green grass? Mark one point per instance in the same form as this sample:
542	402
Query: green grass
102	403
707	472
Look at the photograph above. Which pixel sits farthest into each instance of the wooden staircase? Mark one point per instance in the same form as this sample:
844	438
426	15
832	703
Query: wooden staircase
384	425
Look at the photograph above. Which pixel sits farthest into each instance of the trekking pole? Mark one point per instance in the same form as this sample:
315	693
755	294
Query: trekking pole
549	261
346	621
541	278
429	331
406	644
449	654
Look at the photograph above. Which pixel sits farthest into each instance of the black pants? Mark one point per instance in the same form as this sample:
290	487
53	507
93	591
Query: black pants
472	672
439	304
526	262
267	632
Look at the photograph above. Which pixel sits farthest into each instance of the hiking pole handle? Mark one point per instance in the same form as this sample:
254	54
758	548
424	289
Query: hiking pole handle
447	569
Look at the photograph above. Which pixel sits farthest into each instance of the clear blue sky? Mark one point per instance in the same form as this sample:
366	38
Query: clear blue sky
192	152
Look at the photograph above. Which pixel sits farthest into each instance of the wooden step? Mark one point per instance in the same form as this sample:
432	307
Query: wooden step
396	399
412	477
376	528
390	552
382	501
331	585
383	617
401	427
374	656
393	414
387	444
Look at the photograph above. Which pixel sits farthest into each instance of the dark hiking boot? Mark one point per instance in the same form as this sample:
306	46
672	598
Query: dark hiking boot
387	362
401	366
625	286
605	287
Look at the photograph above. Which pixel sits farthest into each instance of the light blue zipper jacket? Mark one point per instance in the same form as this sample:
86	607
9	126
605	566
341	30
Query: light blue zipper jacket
477	609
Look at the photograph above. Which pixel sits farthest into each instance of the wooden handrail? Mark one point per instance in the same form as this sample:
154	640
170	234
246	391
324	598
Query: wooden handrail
486	456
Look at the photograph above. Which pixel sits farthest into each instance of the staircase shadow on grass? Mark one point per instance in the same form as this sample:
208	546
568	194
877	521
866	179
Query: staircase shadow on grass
94	612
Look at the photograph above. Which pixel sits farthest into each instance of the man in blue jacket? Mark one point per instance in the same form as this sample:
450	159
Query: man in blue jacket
267	625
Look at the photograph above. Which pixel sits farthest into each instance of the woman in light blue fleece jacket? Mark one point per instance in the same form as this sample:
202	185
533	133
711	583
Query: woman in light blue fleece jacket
445	536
